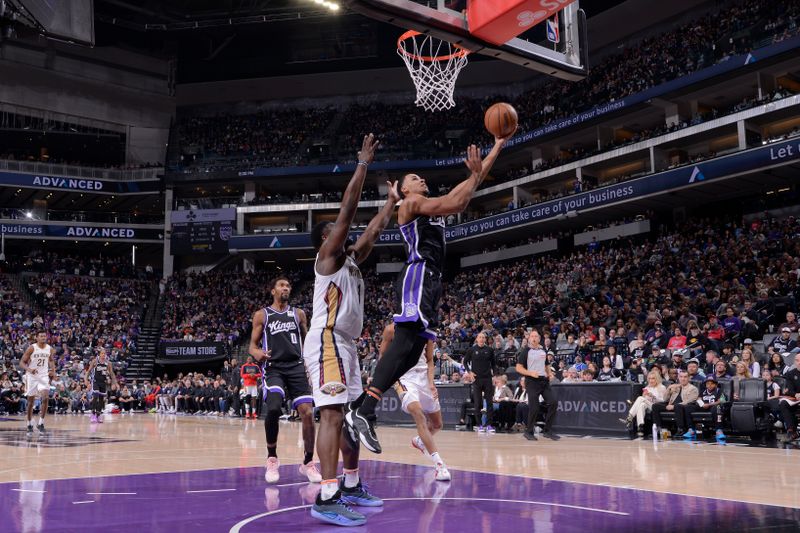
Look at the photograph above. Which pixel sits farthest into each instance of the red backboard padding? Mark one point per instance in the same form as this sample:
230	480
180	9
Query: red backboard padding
498	21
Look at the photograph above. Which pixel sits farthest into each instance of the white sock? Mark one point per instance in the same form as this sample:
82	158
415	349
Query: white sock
41	420
247	408
329	488
351	478
436	459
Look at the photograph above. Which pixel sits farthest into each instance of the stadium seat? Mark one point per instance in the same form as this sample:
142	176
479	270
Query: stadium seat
749	414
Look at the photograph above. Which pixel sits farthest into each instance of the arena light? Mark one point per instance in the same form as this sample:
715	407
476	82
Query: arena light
28	214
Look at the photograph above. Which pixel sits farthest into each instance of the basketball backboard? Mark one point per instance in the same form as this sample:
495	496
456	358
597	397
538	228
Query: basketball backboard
447	20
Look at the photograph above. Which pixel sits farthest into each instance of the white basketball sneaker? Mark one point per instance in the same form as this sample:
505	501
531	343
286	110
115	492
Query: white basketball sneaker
442	473
272	475
311	472
417	443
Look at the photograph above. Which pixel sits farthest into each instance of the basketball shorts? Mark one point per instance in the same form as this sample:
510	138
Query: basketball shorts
418	290
98	390
36	384
288	380
414	388
251	390
333	367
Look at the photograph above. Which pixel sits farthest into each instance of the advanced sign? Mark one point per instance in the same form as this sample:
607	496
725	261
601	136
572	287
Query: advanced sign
79	184
83	232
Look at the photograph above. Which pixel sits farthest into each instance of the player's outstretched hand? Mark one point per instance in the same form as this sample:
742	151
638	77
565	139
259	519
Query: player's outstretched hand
392	194
368	147
473	161
503	140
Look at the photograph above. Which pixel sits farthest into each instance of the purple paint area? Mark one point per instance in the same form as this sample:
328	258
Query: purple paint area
472	502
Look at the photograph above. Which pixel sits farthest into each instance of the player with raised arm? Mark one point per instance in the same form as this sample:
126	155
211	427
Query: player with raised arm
279	331
98	376
38	363
330	351
420	399
419	286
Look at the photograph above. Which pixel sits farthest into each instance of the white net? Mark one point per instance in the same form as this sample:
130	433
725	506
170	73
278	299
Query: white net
434	66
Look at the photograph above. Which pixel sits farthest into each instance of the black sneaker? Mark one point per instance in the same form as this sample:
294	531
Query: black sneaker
29	432
360	495
350	436
336	511
364	428
550	435
41	429
530	436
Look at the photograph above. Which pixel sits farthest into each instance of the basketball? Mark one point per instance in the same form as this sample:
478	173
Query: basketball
500	119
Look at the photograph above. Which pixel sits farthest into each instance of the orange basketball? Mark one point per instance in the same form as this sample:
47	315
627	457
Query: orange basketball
500	119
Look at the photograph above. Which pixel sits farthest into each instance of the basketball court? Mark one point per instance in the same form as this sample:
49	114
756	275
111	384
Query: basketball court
139	470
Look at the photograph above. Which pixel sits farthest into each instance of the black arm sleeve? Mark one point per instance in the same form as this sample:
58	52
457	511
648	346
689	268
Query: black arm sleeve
467	362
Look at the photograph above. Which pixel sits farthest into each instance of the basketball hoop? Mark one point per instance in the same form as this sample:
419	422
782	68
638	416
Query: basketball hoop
434	66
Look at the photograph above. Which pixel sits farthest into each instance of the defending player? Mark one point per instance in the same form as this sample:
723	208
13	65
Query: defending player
250	374
98	375
420	399
280	329
419	287
38	362
330	352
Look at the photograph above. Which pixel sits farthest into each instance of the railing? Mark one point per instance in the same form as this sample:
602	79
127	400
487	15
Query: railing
70	171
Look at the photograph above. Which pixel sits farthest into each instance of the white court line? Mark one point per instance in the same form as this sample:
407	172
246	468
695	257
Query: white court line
208	490
29	490
292	484
238	527
86	501
111	493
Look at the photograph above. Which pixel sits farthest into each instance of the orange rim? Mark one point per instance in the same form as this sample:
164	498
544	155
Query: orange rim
460	52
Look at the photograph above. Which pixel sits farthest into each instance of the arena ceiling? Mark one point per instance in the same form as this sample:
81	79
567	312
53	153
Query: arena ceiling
239	39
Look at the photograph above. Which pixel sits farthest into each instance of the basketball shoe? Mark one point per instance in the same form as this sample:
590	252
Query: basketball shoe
272	475
336	511
359	495
417	443
364	427
311	472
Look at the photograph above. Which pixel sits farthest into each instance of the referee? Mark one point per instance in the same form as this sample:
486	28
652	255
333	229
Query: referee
479	362
531	363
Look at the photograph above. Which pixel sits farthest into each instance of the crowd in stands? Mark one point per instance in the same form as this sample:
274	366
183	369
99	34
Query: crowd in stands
219	306
83	303
407	132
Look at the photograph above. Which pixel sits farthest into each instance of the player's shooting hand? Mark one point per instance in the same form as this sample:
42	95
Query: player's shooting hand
368	147
473	161
393	195
503	140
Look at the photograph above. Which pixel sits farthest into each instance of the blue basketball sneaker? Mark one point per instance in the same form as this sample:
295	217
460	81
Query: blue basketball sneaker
689	435
336	511
359	495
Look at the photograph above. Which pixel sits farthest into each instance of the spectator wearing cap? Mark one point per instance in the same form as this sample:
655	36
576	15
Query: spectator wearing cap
677	360
571	376
695	340
789	405
695	375
782	343
679	393
710	399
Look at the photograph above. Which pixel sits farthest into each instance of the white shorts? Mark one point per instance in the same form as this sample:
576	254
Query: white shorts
417	390
251	390
35	385
334	370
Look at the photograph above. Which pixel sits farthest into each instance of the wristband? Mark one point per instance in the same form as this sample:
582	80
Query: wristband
364	163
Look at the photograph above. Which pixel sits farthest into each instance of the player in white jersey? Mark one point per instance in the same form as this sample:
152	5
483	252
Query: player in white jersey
38	362
330	352
420	399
